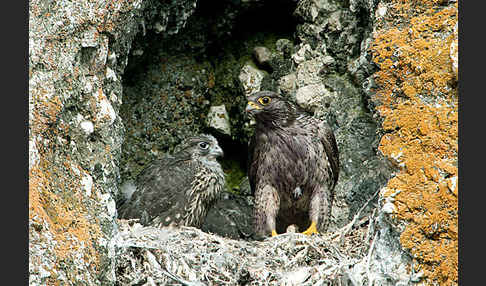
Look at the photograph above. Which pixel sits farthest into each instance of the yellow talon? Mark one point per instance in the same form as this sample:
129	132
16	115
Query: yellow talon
274	233
311	230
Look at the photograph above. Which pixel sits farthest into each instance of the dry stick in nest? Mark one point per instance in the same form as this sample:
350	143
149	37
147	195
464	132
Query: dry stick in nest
368	260
371	228
347	228
180	280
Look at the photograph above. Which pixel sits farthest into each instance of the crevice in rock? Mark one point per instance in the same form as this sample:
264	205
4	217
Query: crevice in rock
171	81
234	161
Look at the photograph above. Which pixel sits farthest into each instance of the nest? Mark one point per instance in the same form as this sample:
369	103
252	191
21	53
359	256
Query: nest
189	256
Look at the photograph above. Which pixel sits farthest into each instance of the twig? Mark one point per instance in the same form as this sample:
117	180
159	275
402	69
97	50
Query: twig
345	230
368	259
371	229
180	280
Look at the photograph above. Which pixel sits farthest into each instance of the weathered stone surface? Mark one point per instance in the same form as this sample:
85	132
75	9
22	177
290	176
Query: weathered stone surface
288	83
262	55
251	79
313	96
218	119
303	53
308	72
386	263
285	47
77	55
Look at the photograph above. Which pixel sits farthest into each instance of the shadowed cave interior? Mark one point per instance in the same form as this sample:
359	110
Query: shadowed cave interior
217	39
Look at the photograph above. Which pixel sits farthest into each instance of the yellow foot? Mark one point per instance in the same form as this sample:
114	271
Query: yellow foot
311	230
274	233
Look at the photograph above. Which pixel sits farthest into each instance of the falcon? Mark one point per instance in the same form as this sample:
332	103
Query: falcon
293	166
178	189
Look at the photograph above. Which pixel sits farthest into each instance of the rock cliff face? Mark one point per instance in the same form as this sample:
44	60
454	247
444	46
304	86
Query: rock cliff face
113	84
78	51
415	47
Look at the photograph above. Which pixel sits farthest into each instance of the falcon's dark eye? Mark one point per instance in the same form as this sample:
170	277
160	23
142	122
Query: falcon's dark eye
264	100
203	145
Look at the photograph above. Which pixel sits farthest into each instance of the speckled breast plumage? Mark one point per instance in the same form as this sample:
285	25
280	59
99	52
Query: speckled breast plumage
178	189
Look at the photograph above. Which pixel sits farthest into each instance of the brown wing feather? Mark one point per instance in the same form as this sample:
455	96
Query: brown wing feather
160	186
330	145
252	164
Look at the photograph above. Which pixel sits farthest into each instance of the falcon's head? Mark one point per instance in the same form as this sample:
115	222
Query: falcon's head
202	146
270	108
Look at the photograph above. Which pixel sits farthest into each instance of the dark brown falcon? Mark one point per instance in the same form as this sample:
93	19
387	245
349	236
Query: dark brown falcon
293	166
178	189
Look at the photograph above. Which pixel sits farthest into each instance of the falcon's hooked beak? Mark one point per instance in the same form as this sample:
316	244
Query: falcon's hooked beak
216	152
252	107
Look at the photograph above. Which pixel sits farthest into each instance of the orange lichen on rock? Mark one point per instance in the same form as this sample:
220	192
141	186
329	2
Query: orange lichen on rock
56	198
417	96
59	203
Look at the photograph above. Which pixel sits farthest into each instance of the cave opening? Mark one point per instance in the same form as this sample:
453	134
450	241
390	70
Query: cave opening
171	81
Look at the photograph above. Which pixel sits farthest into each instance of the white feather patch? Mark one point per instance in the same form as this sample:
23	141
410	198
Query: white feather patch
297	192
127	189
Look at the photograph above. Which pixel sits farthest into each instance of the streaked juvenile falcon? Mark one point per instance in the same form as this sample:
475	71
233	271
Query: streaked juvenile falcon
178	189
293	166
